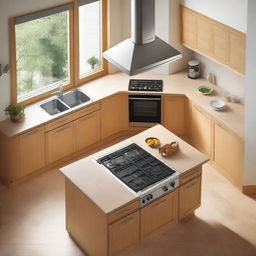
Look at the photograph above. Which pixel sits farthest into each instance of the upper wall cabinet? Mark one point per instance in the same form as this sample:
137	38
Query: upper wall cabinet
213	39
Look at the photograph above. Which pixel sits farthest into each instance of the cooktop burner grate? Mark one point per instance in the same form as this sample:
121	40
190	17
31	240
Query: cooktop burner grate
136	167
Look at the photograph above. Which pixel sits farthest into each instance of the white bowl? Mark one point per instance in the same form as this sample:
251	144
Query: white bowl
217	104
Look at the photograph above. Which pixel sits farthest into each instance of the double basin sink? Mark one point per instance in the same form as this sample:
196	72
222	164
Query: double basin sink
66	101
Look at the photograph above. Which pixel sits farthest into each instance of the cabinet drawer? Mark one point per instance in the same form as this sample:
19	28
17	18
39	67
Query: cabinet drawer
191	175
122	212
87	110
59	122
166	207
124	233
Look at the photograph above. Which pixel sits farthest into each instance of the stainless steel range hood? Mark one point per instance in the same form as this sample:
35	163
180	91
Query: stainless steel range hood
143	50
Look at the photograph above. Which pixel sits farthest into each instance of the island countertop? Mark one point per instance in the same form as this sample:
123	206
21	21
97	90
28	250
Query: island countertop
105	190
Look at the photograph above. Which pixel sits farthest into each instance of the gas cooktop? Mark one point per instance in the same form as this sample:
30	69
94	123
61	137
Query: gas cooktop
136	167
146	85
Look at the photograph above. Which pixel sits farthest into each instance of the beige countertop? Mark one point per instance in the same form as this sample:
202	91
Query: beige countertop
232	116
105	190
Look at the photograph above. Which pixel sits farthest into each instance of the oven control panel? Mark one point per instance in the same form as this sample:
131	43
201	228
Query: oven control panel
162	189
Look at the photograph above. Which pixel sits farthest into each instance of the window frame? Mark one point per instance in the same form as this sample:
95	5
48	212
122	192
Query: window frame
73	53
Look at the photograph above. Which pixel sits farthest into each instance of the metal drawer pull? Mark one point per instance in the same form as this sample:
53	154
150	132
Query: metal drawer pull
63	129
126	211
87	117
192	178
89	110
125	222
63	121
33	132
159	203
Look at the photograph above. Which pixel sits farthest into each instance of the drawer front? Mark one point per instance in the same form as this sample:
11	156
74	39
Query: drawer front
122	212
191	175
124	233
87	110
59	122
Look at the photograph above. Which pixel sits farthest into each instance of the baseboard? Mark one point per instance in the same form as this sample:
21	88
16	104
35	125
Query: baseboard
249	189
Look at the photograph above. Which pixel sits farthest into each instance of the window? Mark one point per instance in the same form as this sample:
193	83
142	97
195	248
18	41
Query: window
42	46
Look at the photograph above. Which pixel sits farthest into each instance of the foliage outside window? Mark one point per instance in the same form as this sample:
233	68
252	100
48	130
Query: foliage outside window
43	44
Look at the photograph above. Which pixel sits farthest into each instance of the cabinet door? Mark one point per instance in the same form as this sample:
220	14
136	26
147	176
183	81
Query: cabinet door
220	43
204	35
124	233
237	51
189	197
60	142
201	130
32	150
114	115
87	130
175	114
158	213
228	154
188	27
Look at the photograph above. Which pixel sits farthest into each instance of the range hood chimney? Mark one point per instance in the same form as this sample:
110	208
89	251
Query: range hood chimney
144	50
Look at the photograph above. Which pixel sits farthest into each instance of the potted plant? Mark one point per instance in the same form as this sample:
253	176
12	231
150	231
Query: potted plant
93	61
16	112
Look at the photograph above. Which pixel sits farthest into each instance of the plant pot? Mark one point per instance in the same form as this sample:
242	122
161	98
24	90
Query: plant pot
16	118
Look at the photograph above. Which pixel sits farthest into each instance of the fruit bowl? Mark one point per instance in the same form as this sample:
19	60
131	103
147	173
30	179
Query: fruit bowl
152	142
205	90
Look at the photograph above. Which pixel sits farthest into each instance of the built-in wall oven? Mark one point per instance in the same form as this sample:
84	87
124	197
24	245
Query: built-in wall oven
144	110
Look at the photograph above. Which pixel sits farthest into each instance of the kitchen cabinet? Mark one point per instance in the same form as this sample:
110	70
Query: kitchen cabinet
60	142
189	194
213	39
124	233
114	115
228	154
87	130
166	207
200	130
32	150
175	114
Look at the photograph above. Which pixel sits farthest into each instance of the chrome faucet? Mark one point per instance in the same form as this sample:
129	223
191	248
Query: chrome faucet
59	92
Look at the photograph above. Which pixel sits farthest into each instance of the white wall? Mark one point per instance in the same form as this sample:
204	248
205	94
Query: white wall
250	98
232	13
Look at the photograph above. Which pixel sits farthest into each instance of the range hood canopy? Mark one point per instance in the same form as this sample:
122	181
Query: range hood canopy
144	50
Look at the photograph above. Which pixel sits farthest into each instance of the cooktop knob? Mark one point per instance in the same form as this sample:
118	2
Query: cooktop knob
164	188
172	184
149	197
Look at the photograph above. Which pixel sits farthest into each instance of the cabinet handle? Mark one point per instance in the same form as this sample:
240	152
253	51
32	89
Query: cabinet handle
66	120
193	178
127	221
191	185
87	117
158	203
126	211
33	132
62	129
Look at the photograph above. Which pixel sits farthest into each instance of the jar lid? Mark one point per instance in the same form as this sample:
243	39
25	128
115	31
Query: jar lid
193	63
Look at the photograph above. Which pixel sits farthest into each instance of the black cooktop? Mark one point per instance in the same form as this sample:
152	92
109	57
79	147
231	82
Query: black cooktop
136	167
146	85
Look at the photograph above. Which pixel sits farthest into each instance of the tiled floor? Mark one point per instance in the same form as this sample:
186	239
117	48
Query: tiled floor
32	222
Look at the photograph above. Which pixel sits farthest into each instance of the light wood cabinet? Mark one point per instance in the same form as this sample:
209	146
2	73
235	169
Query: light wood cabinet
114	115
175	114
157	214
200	130
124	233
60	142
213	39
228	154
32	150
189	197
87	130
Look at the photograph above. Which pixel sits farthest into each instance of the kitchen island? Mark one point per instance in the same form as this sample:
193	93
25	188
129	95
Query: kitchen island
104	216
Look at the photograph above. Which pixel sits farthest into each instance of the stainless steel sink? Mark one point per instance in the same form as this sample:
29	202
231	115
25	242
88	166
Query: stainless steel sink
74	98
54	106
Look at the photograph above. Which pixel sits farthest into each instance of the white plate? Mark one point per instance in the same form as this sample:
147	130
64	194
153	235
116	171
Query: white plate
217	104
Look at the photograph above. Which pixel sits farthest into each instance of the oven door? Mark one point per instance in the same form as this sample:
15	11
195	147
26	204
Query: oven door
144	110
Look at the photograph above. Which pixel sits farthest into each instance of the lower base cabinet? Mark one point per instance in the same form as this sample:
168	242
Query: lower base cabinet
124	233
159	213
